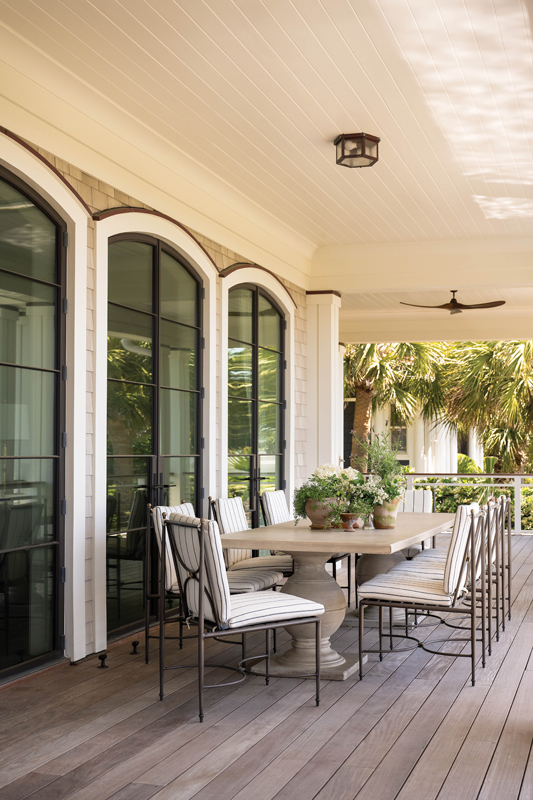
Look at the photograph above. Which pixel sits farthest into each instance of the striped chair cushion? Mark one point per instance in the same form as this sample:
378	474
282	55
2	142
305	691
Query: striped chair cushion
247	580
432	570
157	518
252	580
401	588
275	507
456	550
417	500
279	562
187	547
231	518
249	609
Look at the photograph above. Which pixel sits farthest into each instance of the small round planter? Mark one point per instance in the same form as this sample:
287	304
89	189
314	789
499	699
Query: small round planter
349	521
385	515
320	514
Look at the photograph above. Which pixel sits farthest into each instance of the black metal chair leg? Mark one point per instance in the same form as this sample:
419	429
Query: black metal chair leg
317	661
267	659
380	614
361	634
349	580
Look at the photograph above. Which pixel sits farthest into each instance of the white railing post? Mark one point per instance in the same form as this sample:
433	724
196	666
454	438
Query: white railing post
518	504
410	481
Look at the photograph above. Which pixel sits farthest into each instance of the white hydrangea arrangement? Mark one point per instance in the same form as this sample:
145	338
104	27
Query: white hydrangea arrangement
345	490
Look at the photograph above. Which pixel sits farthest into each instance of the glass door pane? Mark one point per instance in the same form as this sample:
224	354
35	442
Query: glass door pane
153	407
255	397
31	402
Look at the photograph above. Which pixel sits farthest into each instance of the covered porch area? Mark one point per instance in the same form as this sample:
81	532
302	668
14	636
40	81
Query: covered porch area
413	729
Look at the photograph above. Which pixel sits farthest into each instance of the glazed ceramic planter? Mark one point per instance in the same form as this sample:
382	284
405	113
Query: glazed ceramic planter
385	515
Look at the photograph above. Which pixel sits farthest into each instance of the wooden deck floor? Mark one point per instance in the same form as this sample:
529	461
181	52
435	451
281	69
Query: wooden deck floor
413	729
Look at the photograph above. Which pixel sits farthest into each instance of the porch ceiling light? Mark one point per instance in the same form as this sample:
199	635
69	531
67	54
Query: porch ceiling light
357	149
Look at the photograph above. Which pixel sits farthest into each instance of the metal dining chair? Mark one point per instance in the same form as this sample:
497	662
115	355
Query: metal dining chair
409	588
203	580
239	582
231	518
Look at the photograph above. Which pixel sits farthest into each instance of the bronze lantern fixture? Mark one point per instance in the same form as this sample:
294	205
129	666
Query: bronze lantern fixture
357	149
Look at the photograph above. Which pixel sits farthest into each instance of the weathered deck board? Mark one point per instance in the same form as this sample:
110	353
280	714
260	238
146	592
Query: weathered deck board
413	729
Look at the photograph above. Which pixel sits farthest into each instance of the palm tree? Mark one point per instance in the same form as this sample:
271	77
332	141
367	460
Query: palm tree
407	375
489	388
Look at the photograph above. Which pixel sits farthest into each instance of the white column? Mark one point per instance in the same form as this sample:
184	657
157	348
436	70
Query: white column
418	445
452	438
475	448
324	381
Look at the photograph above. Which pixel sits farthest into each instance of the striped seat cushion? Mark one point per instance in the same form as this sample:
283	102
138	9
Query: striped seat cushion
231	519
417	500
453	571
275	508
248	580
187	551
252	580
278	562
401	588
270	607
157	518
432	570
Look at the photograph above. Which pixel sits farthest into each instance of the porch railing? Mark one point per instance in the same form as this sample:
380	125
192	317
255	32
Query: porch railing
509	483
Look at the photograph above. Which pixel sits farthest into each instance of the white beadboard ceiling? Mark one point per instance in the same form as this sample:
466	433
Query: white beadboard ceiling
390	302
255	91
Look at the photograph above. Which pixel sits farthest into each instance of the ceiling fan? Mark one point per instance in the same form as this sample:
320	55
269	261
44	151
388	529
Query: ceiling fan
455	307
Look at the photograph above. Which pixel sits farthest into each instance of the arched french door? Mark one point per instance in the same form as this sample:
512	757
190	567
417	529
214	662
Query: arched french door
256	402
154	441
32	426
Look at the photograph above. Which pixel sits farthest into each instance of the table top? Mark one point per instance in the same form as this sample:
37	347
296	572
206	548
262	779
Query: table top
290	538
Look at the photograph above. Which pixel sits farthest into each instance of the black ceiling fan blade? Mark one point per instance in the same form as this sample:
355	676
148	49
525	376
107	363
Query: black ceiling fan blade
414	305
494	304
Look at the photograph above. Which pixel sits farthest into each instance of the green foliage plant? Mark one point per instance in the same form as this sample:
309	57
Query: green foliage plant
344	490
381	461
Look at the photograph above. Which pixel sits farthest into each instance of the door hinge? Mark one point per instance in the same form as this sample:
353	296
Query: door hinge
202	443
284	365
202	393
63	575
65	239
202	493
65	305
203	294
62	642
284	444
285	405
64	373
63	508
63	440
203	343
284	484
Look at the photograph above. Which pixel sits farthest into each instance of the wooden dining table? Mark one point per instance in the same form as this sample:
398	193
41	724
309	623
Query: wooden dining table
311	549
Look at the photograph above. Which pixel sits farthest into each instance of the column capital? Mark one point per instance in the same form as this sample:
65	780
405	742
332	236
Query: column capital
324	297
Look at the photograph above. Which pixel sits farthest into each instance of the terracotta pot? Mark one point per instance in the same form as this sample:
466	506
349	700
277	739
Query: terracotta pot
319	512
385	515
349	521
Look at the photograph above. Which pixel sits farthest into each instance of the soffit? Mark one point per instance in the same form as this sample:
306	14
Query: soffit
254	92
380	316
